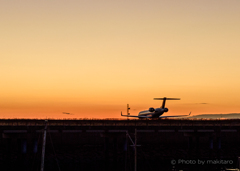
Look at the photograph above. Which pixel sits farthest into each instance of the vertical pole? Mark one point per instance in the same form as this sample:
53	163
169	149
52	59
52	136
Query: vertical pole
126	151
128	108
135	145
44	145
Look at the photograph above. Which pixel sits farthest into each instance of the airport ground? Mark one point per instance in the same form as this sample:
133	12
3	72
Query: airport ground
97	145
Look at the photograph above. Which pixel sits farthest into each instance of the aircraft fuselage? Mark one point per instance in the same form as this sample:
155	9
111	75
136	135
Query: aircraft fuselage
154	113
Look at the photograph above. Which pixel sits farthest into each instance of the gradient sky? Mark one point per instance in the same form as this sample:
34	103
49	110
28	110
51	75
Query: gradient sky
92	57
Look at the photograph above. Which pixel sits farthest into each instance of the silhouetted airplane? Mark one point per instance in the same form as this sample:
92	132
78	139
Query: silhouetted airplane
67	113
155	113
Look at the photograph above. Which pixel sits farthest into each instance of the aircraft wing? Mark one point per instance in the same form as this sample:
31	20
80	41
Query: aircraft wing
174	116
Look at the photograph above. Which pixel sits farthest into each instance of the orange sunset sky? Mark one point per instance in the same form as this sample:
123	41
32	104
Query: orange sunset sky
92	57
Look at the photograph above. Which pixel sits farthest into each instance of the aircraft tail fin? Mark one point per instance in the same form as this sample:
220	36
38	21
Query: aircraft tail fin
164	100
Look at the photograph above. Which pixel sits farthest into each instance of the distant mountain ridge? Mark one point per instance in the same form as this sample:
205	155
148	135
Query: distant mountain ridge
217	116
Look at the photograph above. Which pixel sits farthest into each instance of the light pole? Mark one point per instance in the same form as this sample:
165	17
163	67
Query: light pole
44	145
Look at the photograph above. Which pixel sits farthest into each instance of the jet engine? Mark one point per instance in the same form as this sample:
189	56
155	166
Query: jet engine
165	109
151	109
